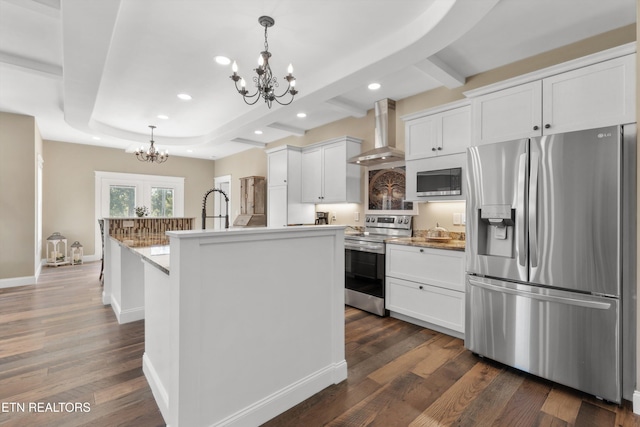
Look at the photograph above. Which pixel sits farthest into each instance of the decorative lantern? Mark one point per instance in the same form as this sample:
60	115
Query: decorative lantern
57	250
76	253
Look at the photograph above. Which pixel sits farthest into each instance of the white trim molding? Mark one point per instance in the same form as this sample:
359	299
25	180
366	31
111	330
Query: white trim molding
636	402
17	281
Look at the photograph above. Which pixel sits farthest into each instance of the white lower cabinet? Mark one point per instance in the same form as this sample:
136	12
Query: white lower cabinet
427	285
432	304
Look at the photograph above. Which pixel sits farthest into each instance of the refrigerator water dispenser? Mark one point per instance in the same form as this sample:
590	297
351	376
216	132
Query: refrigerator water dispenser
496	225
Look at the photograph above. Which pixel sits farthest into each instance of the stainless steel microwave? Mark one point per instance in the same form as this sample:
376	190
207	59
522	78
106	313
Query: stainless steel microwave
442	182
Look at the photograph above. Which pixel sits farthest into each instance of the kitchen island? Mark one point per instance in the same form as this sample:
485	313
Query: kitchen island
125	241
245	323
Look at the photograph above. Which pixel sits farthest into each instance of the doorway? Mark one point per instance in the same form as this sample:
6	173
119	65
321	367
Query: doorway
219	203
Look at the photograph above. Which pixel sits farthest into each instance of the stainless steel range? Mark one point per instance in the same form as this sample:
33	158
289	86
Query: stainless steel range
365	261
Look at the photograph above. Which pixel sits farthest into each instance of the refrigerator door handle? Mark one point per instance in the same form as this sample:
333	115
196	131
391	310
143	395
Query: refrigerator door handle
550	298
533	209
520	203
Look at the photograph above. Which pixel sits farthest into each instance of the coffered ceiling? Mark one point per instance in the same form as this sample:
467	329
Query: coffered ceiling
99	72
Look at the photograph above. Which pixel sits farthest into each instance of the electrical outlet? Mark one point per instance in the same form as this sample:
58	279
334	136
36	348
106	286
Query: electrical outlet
333	217
457	219
464	218
356	216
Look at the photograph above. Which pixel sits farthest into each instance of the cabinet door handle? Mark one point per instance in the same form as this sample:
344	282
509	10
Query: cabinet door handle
439	148
421	250
536	127
433	149
420	287
547	126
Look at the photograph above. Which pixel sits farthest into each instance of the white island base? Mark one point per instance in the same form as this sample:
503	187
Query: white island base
247	323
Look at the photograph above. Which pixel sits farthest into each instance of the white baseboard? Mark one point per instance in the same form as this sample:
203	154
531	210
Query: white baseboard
636	402
18	281
38	270
286	398
126	316
91	258
262	410
157	388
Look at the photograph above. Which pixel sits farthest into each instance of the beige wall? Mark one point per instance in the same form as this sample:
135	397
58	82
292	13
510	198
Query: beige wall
637	408
252	162
20	145
69	179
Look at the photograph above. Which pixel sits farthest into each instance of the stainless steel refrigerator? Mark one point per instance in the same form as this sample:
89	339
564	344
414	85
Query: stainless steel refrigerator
551	257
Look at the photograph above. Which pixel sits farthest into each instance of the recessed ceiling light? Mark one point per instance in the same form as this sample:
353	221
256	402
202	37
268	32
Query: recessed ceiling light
97	138
222	60
189	151
302	115
257	132
374	86
163	117
184	96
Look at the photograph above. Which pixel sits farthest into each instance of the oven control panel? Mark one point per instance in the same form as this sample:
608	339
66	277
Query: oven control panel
402	222
388	220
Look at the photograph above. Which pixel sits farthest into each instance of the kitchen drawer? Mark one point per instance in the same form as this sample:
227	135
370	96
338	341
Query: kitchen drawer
436	267
431	304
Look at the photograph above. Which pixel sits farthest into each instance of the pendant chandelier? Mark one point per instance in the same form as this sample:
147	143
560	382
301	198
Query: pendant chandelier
265	83
152	155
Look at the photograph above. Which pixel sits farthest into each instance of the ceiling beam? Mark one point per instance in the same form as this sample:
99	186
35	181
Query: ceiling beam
46	7
346	107
437	69
290	129
249	142
31	65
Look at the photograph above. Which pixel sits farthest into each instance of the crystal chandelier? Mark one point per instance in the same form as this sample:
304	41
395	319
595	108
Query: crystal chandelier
152	155
265	83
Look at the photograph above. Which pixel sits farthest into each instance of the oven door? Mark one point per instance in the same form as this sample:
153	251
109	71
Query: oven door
364	272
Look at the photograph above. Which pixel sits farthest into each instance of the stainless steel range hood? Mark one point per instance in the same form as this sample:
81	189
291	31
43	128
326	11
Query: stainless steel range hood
385	137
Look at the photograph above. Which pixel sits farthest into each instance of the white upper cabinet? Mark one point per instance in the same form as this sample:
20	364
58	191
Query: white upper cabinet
589	96
312	175
602	94
277	166
430	134
284	188
326	175
508	114
421	137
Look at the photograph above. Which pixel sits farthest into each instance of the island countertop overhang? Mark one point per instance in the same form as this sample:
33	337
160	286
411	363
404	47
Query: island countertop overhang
196	234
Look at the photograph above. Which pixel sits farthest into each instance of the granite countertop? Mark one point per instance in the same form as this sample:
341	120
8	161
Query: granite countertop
156	254
423	242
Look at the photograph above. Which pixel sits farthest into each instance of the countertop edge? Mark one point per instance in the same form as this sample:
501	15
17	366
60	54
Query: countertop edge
421	242
159	261
188	234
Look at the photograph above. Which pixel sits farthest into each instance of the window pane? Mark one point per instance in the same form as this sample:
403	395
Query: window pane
122	201
161	201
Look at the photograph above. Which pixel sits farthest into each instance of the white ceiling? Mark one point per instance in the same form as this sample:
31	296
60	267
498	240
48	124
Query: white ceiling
106	69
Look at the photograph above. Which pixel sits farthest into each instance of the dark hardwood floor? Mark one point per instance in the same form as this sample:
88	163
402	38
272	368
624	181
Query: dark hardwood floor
404	375
59	344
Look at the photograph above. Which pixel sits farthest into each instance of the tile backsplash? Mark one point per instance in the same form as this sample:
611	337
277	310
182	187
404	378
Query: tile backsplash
146	231
441	213
429	214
